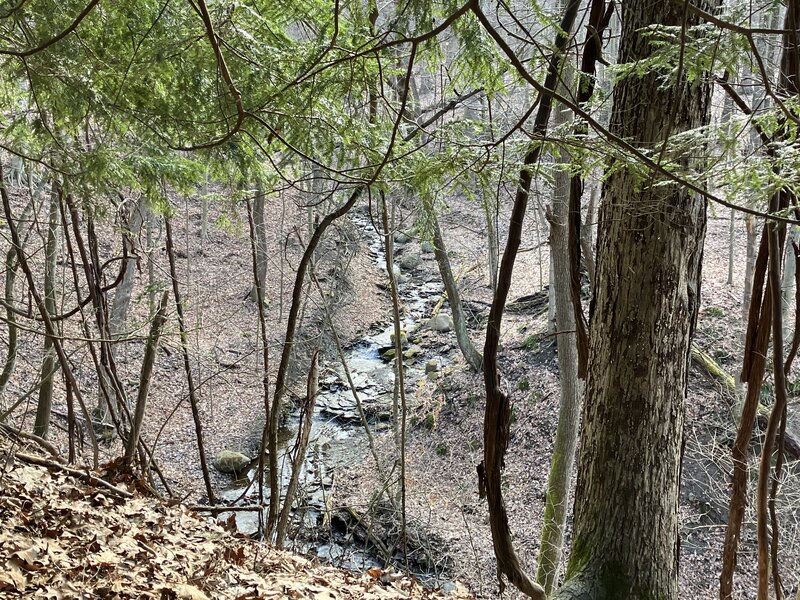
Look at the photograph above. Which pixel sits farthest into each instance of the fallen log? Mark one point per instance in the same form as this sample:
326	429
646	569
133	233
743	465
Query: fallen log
712	368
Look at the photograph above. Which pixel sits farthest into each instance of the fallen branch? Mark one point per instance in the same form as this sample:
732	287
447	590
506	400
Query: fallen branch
728	383
32	459
215	510
23	435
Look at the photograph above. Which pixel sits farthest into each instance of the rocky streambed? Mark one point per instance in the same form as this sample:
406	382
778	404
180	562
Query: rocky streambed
338	437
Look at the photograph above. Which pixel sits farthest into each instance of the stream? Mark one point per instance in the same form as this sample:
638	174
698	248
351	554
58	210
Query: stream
337	435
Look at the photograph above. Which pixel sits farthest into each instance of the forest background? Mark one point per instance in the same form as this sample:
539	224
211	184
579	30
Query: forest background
303	241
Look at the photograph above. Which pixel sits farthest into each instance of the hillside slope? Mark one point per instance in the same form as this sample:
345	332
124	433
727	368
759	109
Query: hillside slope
67	534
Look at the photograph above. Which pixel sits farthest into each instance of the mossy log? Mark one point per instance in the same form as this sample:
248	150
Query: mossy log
721	376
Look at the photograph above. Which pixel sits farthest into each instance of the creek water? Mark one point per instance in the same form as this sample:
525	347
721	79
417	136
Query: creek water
338	438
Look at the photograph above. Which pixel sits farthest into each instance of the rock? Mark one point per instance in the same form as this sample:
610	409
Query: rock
448	587
395	270
229	461
426	247
401	237
432	366
441	323
409	262
413	351
403	338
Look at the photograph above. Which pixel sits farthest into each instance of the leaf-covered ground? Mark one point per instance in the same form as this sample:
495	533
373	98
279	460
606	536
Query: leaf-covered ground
64	536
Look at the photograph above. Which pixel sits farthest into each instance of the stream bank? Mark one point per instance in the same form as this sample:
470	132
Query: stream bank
343	536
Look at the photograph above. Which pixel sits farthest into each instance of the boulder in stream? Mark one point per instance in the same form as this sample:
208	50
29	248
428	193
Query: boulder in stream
229	461
401	237
441	323
409	262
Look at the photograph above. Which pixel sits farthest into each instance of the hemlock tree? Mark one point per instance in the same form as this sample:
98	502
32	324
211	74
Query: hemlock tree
650	245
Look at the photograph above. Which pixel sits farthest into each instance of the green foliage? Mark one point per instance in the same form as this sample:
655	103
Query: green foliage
531	343
430	422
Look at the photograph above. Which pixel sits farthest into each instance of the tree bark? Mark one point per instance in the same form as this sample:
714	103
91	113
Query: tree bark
132	225
144	379
260	241
468	350
45	404
11	264
650	245
303	432
561	464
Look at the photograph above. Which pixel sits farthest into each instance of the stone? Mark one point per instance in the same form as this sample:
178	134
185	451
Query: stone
401	237
432	366
448	587
403	338
395	270
413	351
229	461
441	323
409	262
426	247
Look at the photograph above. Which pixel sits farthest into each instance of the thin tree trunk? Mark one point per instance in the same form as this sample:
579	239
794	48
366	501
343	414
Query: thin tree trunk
788	277
558	483
132	226
12	264
731	242
471	355
204	219
49	326
303	432
497	416
552	326
259	204
492	242
778	413
150	221
399	378
45	404
763	304
587	233
198	426
150	350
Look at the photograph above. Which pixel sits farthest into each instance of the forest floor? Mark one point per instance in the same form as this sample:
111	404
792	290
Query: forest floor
64	534
446	519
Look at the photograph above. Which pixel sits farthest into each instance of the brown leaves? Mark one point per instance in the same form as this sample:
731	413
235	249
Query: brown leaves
62	539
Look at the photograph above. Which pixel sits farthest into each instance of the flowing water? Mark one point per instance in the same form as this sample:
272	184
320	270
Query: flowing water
338	438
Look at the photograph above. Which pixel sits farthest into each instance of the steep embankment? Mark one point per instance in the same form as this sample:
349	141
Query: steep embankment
65	533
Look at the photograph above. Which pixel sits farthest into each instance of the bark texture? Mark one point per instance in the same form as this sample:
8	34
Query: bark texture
259	204
625	542
561	465
45	403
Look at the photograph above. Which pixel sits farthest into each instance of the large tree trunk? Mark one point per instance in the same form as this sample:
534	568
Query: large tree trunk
625	541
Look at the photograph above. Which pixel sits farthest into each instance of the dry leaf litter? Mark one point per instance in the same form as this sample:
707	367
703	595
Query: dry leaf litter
63	538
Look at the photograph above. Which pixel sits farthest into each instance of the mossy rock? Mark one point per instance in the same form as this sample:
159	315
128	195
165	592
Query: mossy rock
229	461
